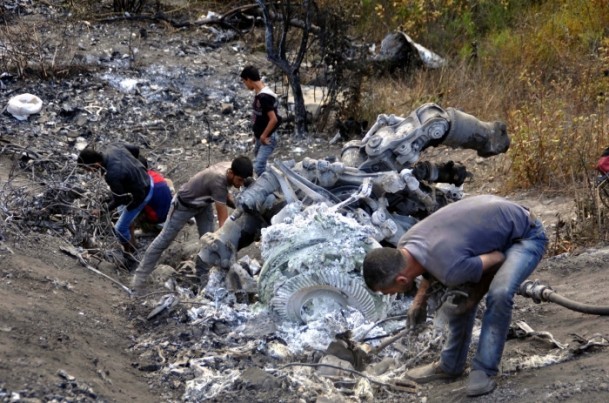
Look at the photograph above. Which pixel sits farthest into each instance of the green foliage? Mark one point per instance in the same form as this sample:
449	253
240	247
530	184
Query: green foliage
539	65
554	138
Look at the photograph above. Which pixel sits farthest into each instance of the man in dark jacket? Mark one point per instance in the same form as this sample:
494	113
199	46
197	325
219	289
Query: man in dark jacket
129	182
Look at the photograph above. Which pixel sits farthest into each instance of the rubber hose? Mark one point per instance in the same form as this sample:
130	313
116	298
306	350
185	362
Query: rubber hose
578	306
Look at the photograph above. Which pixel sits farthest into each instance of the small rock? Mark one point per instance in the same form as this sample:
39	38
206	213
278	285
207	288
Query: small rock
227	108
256	378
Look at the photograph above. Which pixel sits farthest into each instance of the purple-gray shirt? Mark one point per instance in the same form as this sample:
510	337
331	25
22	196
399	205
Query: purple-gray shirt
449	242
208	186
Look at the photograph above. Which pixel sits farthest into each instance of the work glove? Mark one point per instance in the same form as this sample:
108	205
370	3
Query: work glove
417	313
457	302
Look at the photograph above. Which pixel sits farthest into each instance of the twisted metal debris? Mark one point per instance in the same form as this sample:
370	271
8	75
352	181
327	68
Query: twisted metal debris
378	183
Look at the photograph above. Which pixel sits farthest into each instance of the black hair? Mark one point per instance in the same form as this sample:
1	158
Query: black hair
242	166
381	266
250	72
89	156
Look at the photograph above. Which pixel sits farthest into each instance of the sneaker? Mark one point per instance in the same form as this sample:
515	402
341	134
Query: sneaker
428	373
479	384
138	285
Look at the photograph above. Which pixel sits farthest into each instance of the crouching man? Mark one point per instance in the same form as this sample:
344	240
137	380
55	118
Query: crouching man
195	199
486	242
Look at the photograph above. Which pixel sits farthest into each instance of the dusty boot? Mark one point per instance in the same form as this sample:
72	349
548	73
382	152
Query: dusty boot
479	383
428	373
130	261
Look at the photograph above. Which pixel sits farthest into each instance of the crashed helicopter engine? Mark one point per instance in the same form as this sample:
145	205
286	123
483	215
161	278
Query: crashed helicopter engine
377	182
312	259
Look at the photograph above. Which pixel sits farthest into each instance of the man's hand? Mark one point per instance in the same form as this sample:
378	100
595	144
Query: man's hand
265	140
97	212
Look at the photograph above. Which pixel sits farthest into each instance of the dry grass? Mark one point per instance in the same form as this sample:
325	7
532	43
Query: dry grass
39	48
546	76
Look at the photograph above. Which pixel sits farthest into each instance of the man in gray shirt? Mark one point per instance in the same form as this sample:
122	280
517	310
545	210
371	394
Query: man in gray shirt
195	199
486	242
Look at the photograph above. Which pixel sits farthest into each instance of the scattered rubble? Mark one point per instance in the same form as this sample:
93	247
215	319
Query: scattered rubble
179	99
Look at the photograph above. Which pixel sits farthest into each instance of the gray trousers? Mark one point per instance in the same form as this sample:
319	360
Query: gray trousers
177	218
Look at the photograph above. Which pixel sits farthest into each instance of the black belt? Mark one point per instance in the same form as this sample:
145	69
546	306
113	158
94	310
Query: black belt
186	204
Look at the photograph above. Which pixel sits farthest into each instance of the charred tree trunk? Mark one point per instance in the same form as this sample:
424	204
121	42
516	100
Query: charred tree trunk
276	53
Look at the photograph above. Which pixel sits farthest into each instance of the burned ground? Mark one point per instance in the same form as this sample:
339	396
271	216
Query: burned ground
69	334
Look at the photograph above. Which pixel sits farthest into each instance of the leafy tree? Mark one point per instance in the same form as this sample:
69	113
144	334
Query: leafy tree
298	29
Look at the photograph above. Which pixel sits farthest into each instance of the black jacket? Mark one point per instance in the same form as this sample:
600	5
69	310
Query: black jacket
126	176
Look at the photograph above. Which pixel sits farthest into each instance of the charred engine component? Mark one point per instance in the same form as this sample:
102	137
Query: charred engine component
220	248
392	202
313	181
448	172
398	50
466	131
313	259
394	143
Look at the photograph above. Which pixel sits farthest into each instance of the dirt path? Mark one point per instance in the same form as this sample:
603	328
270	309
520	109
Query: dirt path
64	332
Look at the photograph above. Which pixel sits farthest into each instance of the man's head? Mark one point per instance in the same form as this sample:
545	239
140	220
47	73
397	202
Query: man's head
250	75
240	169
90	159
385	270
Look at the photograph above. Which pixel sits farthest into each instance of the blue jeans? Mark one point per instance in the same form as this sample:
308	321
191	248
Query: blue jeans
123	225
177	218
520	260
262	152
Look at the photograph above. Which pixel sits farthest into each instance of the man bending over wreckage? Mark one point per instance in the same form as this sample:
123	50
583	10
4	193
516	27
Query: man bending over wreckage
195	199
485	242
130	184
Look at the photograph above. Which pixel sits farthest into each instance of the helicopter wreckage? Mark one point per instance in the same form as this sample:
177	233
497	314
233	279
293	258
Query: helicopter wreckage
317	218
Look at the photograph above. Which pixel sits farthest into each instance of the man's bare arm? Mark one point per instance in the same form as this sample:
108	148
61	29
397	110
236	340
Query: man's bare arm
264	137
222	211
491	261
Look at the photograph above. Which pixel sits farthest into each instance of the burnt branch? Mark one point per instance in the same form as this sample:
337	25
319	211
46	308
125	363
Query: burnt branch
56	199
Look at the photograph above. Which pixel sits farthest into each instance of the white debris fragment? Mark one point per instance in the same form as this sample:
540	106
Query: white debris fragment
128	85
23	105
208	382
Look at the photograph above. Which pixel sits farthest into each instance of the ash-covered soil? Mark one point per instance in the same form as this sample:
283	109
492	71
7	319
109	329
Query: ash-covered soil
69	334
